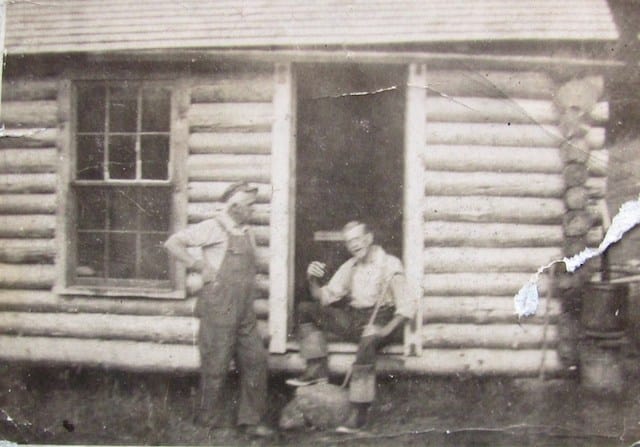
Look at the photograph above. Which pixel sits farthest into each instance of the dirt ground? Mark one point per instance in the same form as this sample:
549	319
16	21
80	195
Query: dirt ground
89	406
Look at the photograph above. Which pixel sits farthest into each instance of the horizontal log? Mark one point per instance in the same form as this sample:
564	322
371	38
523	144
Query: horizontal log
16	161
598	163
29	89
233	87
27	276
28	138
459	109
477	259
146	356
525	210
441	233
31	226
27	183
212	191
160	329
490	158
493	134
197	212
21	114
252	174
113	354
24	251
27	203
481	310
493	84
596	187
230	143
493	184
493	336
223	167
478	362
495	284
253	116
47	301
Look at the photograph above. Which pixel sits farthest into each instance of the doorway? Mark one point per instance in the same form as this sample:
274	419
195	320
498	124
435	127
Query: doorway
349	164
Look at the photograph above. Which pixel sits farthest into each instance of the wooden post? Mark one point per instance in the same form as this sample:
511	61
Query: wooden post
282	208
415	131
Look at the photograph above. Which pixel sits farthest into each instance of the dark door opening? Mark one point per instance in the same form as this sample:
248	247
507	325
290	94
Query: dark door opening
350	145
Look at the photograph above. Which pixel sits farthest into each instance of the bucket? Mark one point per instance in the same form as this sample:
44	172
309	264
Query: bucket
601	369
362	385
603	307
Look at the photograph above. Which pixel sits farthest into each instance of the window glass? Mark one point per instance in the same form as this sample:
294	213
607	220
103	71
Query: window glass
91	108
154	260
153	211
156	110
154	154
91	251
90	157
92	208
122	255
123	109
122	157
123	209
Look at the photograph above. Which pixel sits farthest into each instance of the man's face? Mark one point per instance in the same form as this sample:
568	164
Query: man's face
242	206
358	241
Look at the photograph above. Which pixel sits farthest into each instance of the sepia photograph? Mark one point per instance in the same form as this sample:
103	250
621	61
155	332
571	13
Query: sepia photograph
320	222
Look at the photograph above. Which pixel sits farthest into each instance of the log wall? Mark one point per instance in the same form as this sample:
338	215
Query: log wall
496	180
229	117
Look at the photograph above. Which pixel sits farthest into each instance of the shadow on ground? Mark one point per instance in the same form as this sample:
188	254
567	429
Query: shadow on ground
90	406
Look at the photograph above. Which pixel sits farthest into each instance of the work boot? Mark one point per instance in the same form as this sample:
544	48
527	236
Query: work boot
317	371
356	420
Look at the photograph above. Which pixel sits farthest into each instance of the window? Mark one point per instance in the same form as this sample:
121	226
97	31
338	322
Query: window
121	187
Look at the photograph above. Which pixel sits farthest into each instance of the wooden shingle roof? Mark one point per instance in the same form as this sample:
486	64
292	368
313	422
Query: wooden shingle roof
107	25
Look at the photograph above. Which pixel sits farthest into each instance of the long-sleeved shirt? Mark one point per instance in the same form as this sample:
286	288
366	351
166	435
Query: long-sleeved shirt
365	282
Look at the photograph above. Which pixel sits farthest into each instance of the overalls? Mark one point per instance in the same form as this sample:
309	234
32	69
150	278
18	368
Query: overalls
228	328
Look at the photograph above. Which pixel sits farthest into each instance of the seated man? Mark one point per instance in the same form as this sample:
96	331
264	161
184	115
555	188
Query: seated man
372	281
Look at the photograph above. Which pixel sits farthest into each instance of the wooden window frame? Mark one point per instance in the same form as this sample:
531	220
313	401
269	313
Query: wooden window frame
67	206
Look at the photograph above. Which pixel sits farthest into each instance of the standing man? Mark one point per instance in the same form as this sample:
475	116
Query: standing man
372	281
225	308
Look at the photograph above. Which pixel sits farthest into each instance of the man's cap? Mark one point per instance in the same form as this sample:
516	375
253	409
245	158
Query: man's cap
236	188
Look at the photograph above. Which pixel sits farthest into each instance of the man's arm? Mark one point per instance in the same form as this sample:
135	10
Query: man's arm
397	286
315	271
178	249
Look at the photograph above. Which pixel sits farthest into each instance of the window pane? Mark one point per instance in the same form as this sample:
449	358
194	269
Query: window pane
122	255
156	110
154	259
156	209
123	213
90	255
155	156
91	99
90	157
123	109
122	157
92	208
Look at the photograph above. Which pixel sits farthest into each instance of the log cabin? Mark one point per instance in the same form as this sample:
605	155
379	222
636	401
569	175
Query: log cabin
469	134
